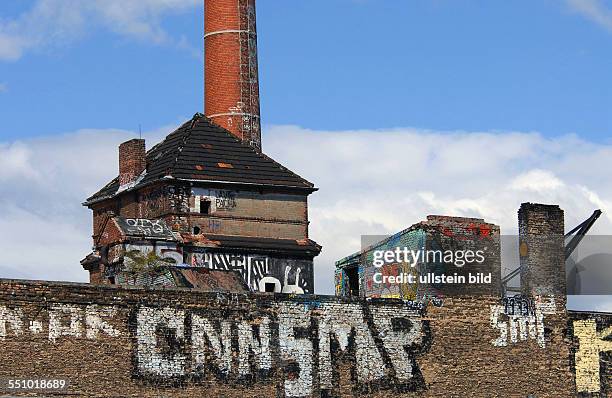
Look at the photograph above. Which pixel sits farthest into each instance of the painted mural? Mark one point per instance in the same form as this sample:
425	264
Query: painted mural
261	273
365	270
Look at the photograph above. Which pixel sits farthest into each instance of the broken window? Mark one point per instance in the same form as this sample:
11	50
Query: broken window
196	230
205	204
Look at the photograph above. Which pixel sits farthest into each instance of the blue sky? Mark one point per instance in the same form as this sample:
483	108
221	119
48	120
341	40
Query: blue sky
325	64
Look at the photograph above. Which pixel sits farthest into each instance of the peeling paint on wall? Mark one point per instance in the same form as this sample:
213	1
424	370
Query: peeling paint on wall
593	340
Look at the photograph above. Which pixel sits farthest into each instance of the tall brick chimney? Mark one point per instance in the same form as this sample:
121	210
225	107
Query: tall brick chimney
132	160
542	249
231	70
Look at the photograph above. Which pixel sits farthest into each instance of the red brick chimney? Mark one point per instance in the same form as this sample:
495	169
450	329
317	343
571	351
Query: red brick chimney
231	71
132	160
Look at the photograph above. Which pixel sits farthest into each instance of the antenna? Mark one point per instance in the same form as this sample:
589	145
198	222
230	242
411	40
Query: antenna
140	131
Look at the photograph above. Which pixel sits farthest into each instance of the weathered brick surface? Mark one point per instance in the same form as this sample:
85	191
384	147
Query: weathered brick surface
134	342
438	233
592	360
246	213
541	245
231	68
261	228
132	160
249	213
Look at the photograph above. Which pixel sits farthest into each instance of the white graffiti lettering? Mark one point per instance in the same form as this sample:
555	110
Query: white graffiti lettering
523	325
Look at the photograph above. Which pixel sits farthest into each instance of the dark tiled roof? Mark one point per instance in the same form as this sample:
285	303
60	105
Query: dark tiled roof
202	151
300	247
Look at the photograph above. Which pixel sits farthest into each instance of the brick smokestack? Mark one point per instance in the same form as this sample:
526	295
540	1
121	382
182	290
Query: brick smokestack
132	160
231	69
542	249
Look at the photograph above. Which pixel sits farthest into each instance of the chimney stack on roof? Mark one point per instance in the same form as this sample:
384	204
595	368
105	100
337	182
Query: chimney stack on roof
231	70
132	160
542	250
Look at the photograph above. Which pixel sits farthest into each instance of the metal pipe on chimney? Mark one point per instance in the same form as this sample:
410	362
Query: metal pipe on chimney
231	68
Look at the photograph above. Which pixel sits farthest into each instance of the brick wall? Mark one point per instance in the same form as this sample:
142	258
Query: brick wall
132	160
438	233
592	360
541	249
138	342
461	234
247	213
255	227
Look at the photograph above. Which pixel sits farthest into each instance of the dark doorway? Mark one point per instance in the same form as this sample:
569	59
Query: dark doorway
353	280
205	206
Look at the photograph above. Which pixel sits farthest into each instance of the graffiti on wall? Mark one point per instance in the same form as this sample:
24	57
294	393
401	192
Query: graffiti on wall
339	280
163	200
61	320
153	203
594	340
218	199
178	198
363	262
303	342
252	268
164	250
516	321
260	272
157	229
386	289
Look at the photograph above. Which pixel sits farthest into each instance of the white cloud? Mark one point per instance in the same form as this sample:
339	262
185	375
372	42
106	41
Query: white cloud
536	181
379	182
371	182
52	23
15	161
594	10
3	88
44	230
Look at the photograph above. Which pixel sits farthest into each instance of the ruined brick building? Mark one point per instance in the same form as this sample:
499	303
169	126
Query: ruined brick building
152	342
355	273
206	197
233	224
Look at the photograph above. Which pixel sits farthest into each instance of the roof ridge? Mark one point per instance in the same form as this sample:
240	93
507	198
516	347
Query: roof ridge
260	154
179	149
180	156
